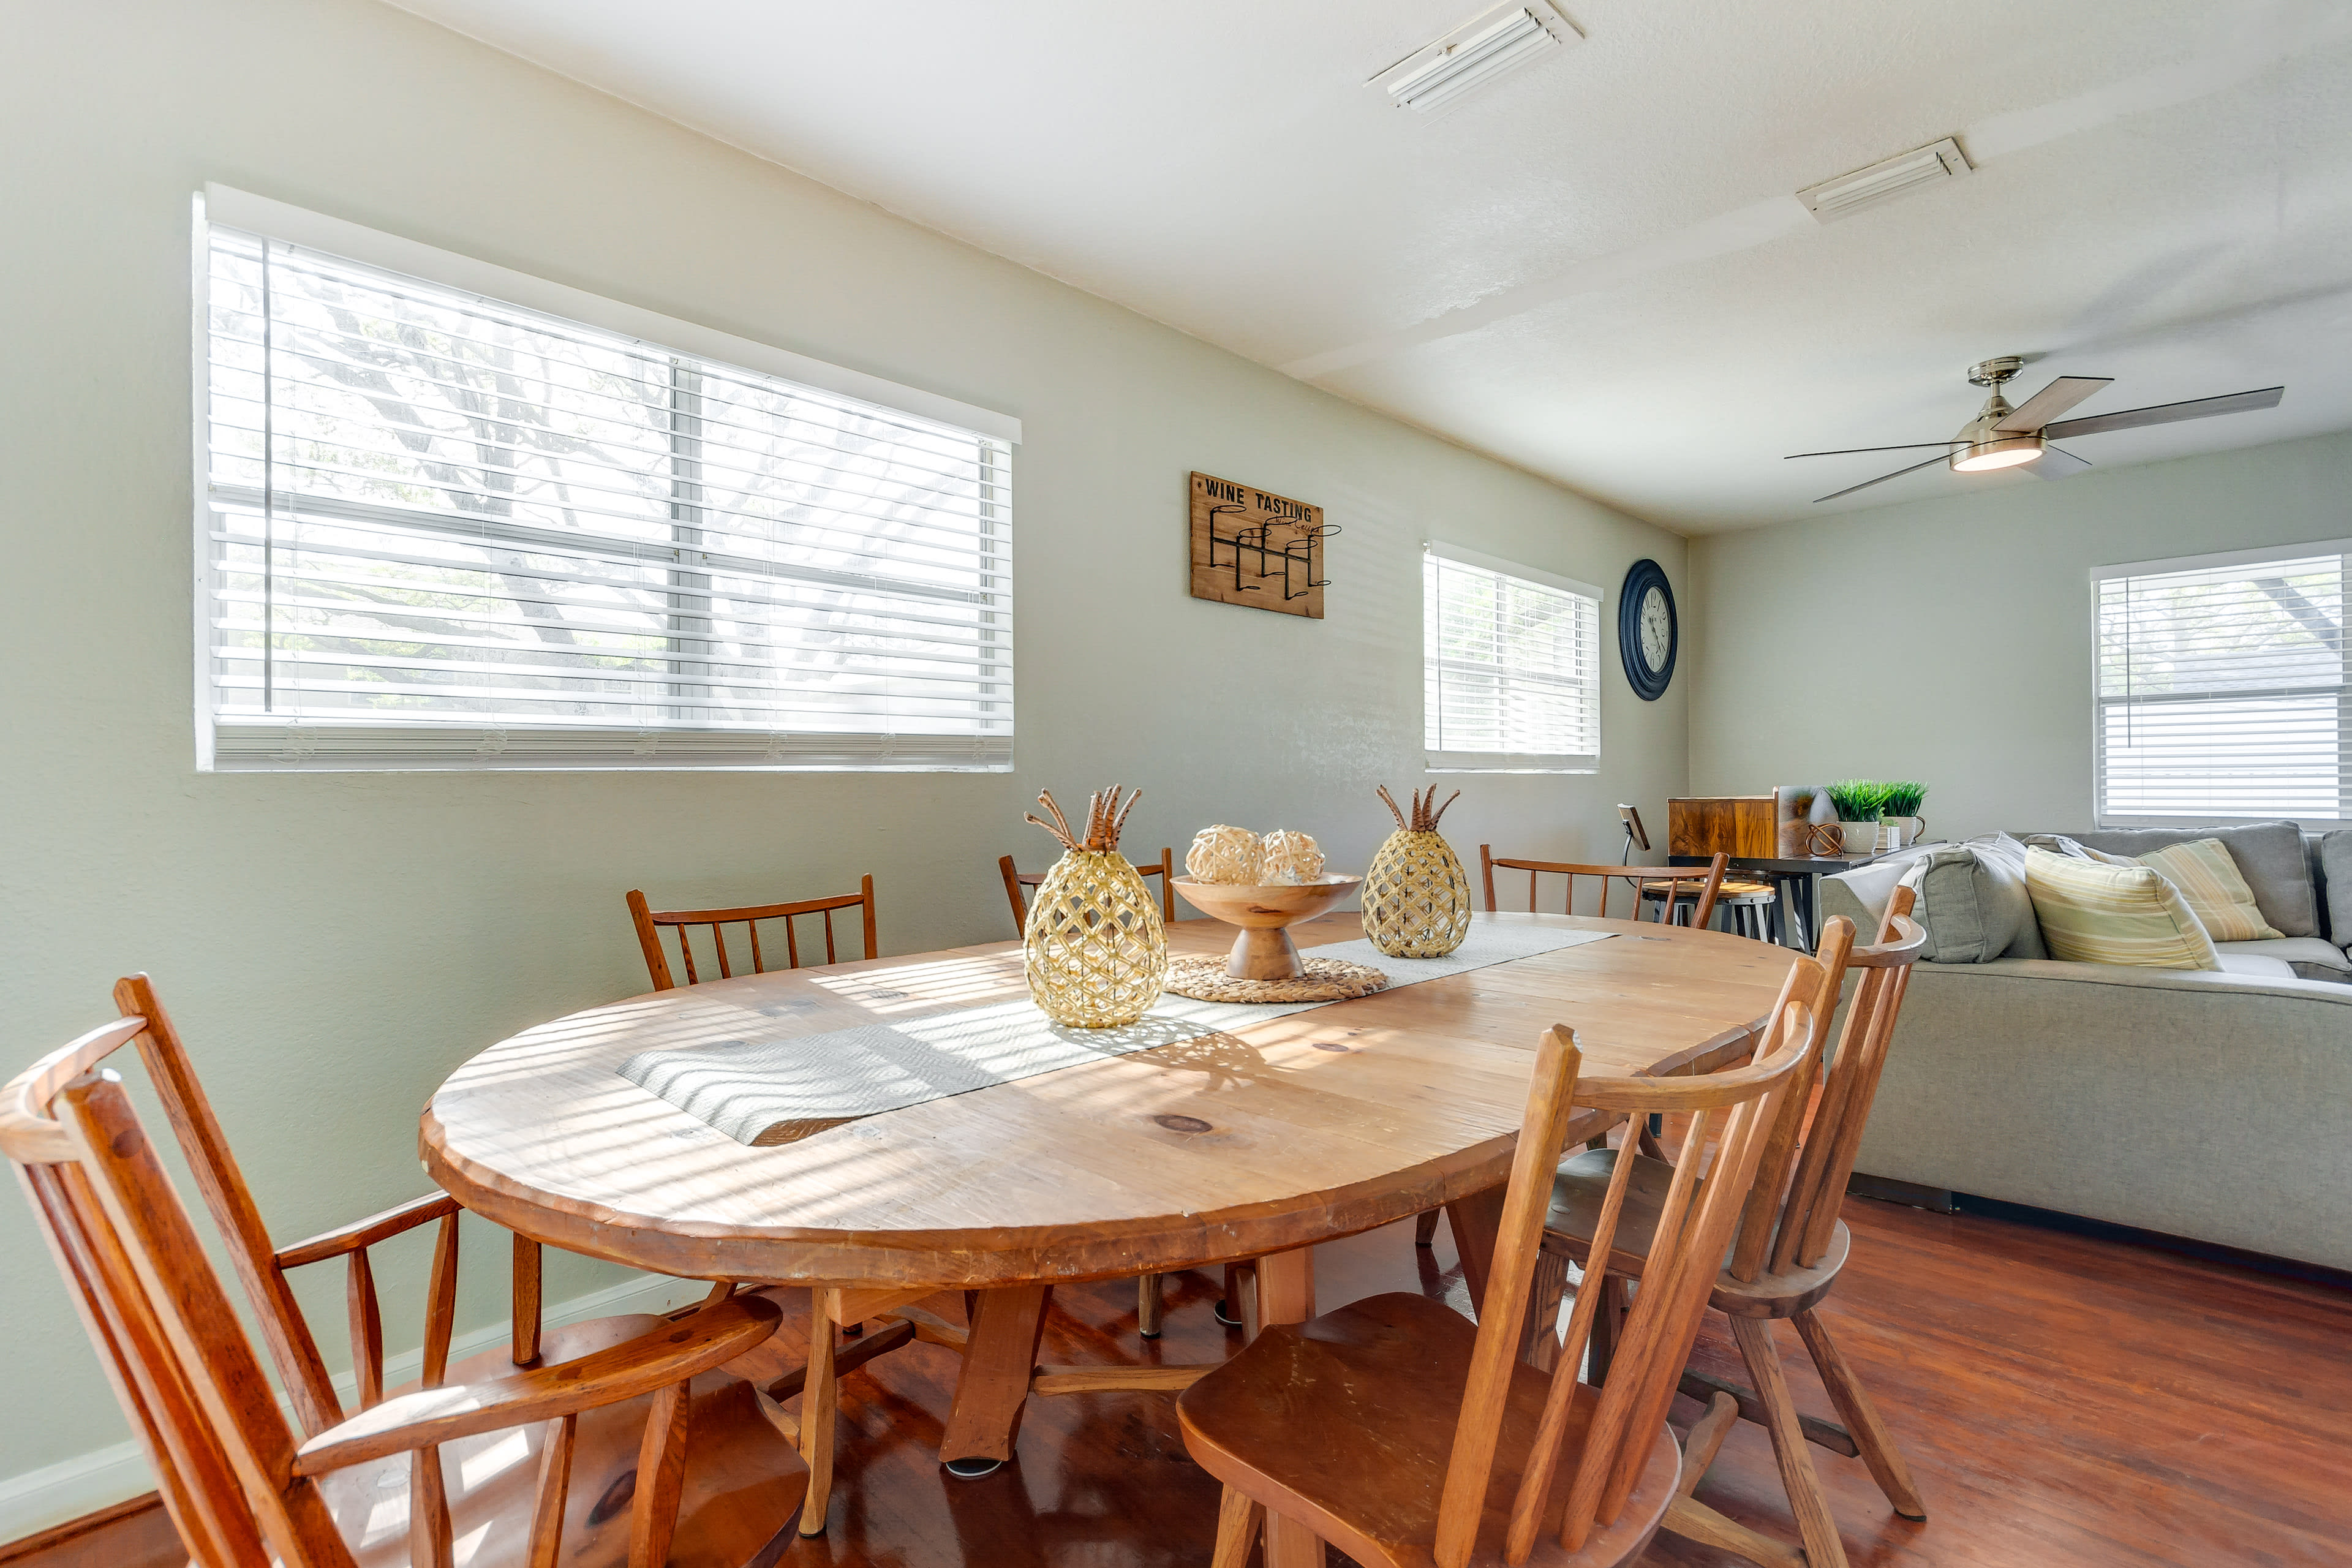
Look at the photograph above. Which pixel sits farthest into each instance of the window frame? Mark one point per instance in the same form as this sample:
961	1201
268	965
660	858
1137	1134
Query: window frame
795	751
2253	556
1449	761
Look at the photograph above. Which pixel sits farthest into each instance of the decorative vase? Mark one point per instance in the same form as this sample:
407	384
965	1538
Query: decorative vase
1416	896
1860	837
1094	949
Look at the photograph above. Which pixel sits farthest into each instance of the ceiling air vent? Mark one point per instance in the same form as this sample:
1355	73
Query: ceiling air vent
1833	199
1472	55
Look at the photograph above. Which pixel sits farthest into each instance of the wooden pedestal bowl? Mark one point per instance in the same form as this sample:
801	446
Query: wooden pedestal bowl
1263	950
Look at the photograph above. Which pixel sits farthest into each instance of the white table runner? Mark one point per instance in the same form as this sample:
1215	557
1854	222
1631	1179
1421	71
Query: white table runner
770	1091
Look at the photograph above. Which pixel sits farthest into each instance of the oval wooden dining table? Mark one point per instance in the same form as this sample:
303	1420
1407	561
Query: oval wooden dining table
1254	1144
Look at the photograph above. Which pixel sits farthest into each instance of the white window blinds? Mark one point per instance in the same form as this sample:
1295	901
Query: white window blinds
1511	663
2222	687
445	531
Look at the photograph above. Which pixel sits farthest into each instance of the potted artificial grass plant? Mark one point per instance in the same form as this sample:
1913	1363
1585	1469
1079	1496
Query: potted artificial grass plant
1858	805
1899	804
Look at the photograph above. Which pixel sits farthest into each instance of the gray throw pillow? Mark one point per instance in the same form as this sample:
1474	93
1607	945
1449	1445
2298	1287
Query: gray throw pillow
1971	898
2270	856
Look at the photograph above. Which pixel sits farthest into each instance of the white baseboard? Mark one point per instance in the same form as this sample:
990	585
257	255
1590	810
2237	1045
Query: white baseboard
54	1494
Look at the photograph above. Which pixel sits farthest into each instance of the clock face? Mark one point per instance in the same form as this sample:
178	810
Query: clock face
1658	629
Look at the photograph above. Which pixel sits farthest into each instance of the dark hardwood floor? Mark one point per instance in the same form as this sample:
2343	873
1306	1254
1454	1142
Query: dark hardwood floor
2063	1399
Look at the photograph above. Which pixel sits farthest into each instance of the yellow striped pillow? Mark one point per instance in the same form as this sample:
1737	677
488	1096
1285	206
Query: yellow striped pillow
2209	878
2092	914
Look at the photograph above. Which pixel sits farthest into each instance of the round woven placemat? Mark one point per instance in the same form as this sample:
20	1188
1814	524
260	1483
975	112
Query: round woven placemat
1326	980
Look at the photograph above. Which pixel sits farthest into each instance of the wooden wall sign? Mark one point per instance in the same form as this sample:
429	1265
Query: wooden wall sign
1256	548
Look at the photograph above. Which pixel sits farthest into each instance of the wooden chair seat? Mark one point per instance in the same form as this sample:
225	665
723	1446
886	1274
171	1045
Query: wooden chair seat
1582	1186
742	1484
1733	887
1351	1417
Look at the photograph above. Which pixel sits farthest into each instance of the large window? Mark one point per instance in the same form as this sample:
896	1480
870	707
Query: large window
1511	664
2222	687
444	527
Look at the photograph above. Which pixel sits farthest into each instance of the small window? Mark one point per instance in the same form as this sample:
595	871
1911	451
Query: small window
446	528
2222	687
1511	663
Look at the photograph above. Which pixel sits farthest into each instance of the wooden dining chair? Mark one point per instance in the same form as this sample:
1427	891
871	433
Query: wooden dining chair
1665	887
1407	1438
527	1465
834	1316
1018	882
650	924
1789	1251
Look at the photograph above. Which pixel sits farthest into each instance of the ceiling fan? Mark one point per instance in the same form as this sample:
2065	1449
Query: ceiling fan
2000	437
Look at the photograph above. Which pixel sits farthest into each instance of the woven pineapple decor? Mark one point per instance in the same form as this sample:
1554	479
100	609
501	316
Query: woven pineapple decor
1416	896
1095	950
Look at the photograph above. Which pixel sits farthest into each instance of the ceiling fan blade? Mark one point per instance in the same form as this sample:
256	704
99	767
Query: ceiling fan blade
2051	401
2046	469
1880	480
1850	451
2166	413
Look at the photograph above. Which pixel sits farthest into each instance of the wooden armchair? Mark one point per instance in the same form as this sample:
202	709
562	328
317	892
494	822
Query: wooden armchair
1406	1438
636	1417
1791	1249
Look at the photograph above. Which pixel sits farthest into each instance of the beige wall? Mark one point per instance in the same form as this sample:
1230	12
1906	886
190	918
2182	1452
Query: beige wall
334	945
1949	640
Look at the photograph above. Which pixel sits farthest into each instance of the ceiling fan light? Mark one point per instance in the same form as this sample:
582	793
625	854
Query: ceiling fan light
1982	446
1998	452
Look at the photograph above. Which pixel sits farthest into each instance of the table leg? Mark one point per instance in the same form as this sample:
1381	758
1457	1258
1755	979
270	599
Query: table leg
994	1384
1286	1294
1476	1221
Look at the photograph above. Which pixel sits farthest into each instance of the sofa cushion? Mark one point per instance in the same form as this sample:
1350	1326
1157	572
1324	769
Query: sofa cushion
2311	957
2093	913
1972	899
2269	854
2208	876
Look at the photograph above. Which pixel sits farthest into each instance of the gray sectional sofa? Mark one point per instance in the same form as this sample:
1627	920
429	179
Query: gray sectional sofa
2215	1105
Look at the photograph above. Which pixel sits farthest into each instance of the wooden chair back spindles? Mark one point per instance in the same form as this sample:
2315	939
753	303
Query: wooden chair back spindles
1787	1253
1809	1216
1667	887
1237	1420
650	924
1817	992
1018	882
242	1485
1733	1112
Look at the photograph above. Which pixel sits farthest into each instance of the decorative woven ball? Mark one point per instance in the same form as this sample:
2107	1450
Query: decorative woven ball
1223	854
1289	858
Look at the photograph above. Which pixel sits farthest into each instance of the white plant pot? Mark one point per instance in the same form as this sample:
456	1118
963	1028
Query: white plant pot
1861	838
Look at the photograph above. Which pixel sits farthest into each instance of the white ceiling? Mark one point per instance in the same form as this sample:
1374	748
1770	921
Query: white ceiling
1595	268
